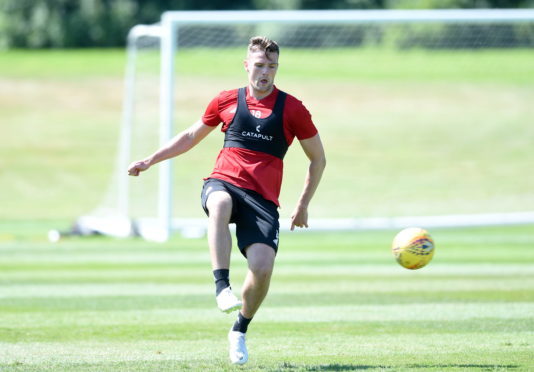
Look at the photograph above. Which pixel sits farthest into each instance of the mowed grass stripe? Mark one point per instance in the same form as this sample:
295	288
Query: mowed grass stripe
147	257
286	254
380	255
111	303
311	287
49	274
184	331
330	347
463	361
179	278
320	313
387	269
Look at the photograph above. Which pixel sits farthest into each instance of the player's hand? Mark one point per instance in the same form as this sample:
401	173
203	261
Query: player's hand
299	218
137	167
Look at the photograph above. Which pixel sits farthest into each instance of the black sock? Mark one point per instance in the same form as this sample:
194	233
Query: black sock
241	324
222	280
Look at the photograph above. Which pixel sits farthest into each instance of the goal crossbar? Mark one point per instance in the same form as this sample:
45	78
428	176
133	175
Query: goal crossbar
352	16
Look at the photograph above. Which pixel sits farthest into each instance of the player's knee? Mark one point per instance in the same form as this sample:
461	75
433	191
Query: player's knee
261	275
219	203
262	271
261	261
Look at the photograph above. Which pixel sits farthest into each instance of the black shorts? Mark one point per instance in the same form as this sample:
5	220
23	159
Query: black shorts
255	218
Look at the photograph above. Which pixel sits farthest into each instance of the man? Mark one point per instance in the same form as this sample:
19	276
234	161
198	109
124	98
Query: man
259	122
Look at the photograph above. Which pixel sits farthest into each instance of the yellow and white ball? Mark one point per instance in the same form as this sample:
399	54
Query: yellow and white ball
413	248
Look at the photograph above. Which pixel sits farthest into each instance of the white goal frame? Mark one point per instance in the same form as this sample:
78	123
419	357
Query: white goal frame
168	31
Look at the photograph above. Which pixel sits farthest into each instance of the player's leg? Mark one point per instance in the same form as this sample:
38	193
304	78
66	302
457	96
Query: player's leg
218	205
257	230
262	225
260	259
260	268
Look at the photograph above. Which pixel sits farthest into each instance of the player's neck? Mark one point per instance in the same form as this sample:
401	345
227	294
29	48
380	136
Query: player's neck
258	94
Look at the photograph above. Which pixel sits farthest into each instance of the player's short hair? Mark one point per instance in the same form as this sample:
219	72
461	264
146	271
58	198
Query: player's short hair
263	43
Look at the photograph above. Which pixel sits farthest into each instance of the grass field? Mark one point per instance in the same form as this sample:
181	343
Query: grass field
338	302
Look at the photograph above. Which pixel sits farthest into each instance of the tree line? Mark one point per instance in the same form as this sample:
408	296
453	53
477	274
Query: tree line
105	23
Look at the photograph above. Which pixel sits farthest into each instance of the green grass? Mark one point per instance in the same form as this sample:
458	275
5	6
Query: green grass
377	64
406	133
55	64
338	302
485	65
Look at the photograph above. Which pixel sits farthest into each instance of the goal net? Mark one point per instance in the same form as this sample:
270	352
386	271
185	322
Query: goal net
425	116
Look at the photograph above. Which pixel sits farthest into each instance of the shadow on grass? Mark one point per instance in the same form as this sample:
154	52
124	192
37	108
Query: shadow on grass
363	367
327	367
467	365
224	366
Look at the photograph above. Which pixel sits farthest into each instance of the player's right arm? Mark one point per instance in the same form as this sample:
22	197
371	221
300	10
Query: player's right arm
181	143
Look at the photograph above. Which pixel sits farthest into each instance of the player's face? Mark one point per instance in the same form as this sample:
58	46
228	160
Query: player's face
261	69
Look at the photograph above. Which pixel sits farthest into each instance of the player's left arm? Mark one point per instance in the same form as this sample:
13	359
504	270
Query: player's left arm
313	148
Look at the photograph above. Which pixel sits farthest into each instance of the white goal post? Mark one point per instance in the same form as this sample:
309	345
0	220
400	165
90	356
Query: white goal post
115	218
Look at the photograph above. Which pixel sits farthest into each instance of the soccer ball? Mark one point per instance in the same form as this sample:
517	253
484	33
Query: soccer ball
413	248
